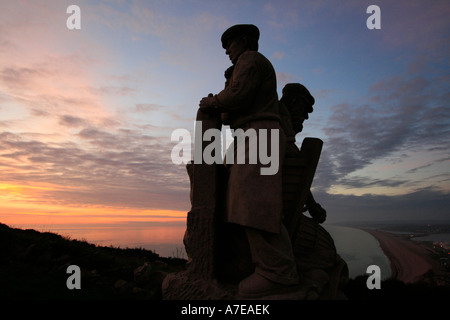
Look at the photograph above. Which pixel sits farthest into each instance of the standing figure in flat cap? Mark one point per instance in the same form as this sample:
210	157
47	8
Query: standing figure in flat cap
249	102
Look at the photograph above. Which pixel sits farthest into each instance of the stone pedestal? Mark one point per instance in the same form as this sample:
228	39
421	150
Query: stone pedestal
321	270
200	240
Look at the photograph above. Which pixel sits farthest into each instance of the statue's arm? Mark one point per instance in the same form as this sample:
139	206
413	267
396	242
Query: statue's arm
315	209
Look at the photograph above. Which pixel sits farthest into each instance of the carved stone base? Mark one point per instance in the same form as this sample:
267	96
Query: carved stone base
317	260
184	286
322	273
190	286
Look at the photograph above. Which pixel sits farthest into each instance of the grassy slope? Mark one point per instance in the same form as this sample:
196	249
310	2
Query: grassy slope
33	265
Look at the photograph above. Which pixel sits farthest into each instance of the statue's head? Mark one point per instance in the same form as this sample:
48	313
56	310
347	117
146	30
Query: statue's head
299	102
238	39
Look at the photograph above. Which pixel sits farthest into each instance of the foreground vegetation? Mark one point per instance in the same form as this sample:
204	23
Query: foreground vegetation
33	265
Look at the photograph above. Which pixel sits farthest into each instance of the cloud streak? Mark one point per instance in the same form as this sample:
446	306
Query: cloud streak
126	168
421	205
400	117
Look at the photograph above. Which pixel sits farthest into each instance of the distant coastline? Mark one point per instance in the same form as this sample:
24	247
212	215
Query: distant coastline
411	261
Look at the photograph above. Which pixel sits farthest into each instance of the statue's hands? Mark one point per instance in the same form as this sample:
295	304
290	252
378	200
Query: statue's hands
317	212
207	103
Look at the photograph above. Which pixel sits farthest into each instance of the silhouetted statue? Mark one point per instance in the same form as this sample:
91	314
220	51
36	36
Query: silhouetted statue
295	105
318	264
246	230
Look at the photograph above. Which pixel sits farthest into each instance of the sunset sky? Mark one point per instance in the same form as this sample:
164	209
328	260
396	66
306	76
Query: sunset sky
86	116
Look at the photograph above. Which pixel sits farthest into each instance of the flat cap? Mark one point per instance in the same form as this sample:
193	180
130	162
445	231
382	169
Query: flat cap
249	30
299	89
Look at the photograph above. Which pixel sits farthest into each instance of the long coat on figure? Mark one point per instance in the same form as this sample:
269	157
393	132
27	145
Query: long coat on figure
250	101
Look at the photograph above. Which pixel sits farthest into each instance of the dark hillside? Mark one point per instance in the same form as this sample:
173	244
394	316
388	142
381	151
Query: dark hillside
33	265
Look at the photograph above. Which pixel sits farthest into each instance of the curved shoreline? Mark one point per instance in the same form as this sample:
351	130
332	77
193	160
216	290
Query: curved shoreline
410	261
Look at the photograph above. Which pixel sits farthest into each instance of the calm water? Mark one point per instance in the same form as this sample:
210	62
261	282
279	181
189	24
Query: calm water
358	248
166	239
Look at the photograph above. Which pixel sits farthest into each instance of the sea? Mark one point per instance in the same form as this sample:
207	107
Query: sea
357	247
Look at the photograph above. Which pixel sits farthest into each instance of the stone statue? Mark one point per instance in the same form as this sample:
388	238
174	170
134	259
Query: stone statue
246	236
295	105
317	261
